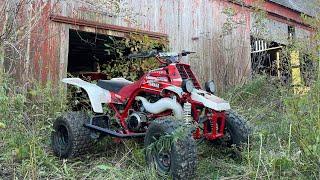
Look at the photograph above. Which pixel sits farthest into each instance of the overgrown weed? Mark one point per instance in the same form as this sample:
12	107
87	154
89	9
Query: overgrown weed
285	143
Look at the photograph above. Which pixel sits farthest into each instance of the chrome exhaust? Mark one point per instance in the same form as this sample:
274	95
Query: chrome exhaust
161	106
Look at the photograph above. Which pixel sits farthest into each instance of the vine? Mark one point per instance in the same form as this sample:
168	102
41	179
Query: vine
121	66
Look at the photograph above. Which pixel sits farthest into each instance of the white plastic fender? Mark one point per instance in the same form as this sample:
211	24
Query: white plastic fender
96	94
175	89
209	100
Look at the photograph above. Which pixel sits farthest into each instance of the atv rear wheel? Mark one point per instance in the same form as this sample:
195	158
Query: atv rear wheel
179	160
236	130
70	138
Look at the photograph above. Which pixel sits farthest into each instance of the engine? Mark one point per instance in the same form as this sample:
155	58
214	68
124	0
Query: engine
136	121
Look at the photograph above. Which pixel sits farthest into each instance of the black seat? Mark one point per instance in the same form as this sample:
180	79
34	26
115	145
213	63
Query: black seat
112	85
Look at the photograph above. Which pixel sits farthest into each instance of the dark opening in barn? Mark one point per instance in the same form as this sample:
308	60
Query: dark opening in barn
87	52
265	56
94	56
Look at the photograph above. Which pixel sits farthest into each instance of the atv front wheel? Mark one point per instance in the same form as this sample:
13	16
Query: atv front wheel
179	159
70	138
236	129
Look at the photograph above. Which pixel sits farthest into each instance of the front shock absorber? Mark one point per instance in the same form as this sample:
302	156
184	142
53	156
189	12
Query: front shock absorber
214	128
187	112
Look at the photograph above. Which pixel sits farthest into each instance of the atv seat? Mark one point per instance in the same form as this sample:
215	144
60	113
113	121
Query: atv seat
113	85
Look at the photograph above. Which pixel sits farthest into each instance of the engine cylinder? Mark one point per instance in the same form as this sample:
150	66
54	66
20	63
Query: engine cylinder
134	121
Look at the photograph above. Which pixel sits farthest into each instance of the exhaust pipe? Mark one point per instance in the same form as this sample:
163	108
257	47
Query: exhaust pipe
161	106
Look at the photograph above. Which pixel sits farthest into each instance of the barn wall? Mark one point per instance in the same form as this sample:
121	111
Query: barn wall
271	30
302	34
45	43
195	25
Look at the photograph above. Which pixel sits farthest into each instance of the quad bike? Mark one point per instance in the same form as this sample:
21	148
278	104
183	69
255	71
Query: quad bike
160	102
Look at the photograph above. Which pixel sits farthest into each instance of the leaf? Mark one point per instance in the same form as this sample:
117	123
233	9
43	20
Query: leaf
2	125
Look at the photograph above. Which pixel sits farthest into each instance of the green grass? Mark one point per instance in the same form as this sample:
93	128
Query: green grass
283	146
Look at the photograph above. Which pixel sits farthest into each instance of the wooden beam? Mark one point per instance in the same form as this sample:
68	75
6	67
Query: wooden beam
92	24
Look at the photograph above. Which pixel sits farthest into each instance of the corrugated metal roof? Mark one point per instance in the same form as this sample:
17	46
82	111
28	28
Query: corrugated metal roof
307	7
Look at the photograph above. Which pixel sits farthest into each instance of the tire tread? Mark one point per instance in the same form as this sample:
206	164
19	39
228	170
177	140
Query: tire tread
185	148
80	135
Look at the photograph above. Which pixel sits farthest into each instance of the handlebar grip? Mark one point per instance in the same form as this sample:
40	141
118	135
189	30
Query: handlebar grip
185	53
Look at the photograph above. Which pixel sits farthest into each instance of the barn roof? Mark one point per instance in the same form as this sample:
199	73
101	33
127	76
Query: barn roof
307	7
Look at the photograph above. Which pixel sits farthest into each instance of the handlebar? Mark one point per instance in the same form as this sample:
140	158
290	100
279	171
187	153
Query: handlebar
185	53
143	55
162	57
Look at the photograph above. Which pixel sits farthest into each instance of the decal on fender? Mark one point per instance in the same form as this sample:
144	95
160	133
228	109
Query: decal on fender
154	84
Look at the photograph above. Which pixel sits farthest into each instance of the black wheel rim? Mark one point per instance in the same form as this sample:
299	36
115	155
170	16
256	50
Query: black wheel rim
61	138
163	160
161	157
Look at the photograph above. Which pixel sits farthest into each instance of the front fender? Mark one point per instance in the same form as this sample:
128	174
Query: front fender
96	94
177	90
209	100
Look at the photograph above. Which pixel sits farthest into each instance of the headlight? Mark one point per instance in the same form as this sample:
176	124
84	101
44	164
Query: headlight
210	87
187	86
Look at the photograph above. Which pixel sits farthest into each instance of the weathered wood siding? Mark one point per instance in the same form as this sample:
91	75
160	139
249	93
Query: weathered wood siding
195	25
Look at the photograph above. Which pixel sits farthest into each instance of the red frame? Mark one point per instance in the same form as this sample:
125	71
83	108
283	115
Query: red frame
153	82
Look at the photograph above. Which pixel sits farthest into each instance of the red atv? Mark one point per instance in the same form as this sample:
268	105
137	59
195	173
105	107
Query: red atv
158	104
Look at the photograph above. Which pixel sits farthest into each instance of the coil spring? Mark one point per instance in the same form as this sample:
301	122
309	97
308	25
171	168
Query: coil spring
210	124
187	112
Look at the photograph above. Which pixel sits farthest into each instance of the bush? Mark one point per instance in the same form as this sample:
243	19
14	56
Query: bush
131	69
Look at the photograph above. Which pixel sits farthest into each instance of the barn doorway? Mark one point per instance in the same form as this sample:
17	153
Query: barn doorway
94	56
87	52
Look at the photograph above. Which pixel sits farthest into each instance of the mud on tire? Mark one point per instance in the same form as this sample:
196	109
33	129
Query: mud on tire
69	137
179	161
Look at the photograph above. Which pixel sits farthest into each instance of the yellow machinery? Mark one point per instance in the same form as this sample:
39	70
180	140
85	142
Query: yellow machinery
297	82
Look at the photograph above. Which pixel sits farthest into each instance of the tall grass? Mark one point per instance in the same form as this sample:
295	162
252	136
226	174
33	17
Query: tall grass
285	143
261	102
26	112
304	114
26	116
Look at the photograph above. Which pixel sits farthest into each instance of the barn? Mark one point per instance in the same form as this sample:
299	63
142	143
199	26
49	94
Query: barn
231	38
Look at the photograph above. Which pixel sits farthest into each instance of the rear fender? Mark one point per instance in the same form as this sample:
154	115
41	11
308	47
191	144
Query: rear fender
96	94
209	100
